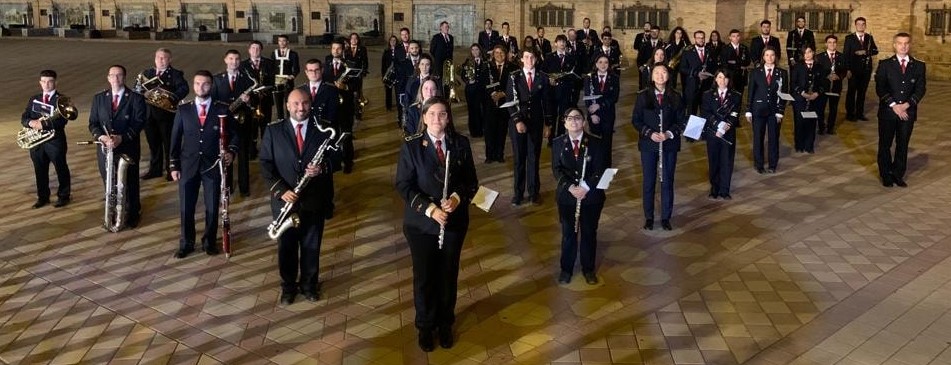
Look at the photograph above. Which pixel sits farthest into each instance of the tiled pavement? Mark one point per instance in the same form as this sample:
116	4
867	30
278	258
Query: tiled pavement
817	264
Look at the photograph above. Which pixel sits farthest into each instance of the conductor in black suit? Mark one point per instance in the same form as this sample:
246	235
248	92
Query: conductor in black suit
420	180
488	38
568	155
530	88
287	64
759	43
660	120
797	39
440	48
721	108
900	85
158	130
228	88
766	109
194	157
52	151
286	151
860	48
261	68
833	61
116	118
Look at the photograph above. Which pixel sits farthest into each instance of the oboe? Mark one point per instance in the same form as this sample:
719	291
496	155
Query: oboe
584	167
225	192
445	195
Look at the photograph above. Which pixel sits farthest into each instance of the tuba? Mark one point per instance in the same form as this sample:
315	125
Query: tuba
286	218
28	138
449	80
154	94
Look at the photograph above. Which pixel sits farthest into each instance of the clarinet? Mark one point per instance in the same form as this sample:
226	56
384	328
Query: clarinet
225	192
660	145
445	195
584	167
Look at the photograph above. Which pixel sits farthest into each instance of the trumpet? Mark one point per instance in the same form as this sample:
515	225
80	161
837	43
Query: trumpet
286	218
449	80
154	94
28	138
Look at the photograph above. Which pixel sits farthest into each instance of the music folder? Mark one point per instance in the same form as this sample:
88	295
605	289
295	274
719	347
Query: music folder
484	198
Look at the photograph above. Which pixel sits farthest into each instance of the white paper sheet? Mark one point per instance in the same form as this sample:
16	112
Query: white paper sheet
591	97
809	115
606	178
832	94
509	104
484	198
785	96
694	127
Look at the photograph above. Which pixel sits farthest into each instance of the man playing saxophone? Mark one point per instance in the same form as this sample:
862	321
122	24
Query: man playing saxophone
286	149
235	88
194	158
53	150
116	118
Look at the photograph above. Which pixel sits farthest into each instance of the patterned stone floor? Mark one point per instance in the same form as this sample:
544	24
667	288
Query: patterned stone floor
817	264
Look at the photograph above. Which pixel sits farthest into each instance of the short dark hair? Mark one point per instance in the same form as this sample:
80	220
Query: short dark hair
647	23
314	61
48	73
505	24
338	40
443	22
734	31
561	37
862	18
488	20
606	34
832	36
279	36
897	35
404	28
800	17
256	42
539	28
655	27
232	51
203	73
765	21
699	32
413	41
121	67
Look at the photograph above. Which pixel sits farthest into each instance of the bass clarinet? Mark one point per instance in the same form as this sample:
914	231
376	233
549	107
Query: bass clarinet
225	192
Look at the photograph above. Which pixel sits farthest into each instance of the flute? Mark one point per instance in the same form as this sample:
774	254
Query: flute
584	166
445	195
660	146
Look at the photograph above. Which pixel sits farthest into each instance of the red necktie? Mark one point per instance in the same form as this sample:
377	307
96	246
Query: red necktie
660	99
862	40
904	64
115	103
202	114
722	98
232	83
336	68
300	138
528	80
602	84
439	153
769	76
576	149
313	92
46	97
158	74
701	55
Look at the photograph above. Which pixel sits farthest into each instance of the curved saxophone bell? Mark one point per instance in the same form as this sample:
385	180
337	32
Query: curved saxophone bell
449	80
275	230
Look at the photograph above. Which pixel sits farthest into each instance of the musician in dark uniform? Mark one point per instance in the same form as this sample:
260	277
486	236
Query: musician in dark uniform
194	158
579	50
660	120
676	43
356	55
414	112
262	69
565	92
413	93
287	150
579	200
440	49
286	63
645	71
488	38
735	58
716	45
606	83
860	48
324	96
696	66
116	118
402	49
389	59
497	119
52	151
764	40
433	202
471	75
900	86
721	108
765	109
510	42
647	47
834	62
809	85
405	69
797	39
532	113
335	72
229	87
588	35
541	44
158	130
640	38
605	49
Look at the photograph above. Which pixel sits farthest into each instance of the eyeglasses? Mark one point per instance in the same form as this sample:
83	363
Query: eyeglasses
574	118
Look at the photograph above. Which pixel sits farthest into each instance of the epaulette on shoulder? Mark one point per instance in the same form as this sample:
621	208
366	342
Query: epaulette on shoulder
186	101
411	137
276	122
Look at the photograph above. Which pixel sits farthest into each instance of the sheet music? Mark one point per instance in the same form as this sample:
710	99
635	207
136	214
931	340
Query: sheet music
809	115
832	94
785	96
606	178
591	97
484	198
509	104
694	127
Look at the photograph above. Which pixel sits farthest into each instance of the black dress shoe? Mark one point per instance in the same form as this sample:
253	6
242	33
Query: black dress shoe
649	224
151	175
712	196
445	337
347	169
665	223
426	341
516	201
726	197
590	278
810	151
760	170
40	203
536	200
312	296
183	252
61	202
564	277
488	161
901	182
132	220
287	298
212	250
770	171
887	183
169	178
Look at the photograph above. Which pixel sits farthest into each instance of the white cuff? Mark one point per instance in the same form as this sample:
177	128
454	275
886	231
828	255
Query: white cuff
721	125
669	134
892	104
456	197
430	209
749	115
779	116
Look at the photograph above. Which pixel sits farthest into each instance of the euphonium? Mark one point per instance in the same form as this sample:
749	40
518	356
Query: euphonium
449	80
286	218
28	137
155	95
